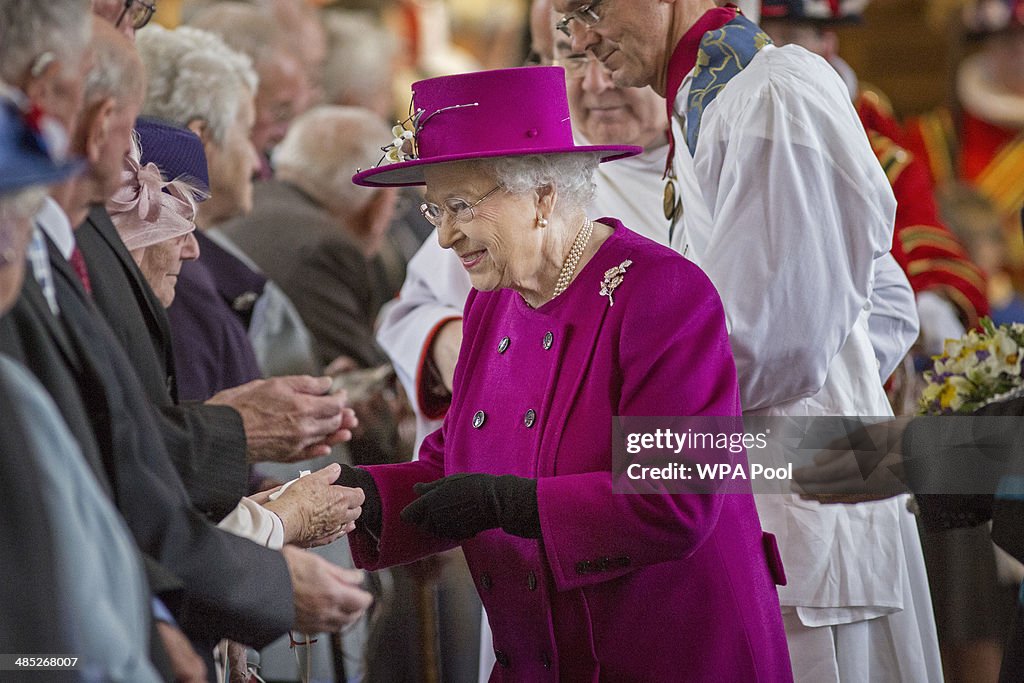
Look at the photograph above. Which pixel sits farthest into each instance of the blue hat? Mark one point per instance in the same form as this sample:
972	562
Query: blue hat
25	157
177	151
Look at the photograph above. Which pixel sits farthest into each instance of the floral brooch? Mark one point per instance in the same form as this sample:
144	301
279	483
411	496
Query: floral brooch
405	143
612	279
404	146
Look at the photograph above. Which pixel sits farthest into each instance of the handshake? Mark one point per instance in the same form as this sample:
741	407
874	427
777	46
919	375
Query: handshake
289	419
317	511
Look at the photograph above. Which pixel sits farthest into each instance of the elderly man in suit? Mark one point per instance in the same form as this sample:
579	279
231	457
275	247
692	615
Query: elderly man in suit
227	587
73	576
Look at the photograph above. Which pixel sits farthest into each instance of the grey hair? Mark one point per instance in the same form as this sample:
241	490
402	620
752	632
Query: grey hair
249	29
359	58
31	28
324	147
116	71
572	175
194	75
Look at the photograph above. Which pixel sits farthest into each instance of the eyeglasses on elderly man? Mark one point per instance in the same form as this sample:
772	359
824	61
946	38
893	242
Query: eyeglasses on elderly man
138	13
585	14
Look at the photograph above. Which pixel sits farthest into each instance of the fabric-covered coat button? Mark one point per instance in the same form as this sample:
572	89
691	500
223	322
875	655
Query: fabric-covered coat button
478	419
503	344
502	658
531	581
549	339
485	581
530	418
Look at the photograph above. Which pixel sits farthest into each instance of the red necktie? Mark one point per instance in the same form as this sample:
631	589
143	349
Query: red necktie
77	262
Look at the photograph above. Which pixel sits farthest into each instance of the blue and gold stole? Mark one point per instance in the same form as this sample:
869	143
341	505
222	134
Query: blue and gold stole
723	53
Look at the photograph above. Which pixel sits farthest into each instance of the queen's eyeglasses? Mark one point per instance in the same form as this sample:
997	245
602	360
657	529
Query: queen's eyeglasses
459	209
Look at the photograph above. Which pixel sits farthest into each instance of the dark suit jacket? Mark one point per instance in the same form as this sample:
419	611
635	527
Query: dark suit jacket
231	587
206	443
303	249
40	343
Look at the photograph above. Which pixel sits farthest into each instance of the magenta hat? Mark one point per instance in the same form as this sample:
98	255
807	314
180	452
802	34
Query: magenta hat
486	114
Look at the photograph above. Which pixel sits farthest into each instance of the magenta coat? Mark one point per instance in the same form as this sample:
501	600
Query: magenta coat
621	587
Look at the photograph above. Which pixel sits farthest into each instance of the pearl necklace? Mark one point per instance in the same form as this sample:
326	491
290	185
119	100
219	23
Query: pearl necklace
573	260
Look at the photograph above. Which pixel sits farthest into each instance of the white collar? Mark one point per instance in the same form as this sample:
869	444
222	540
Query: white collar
56	224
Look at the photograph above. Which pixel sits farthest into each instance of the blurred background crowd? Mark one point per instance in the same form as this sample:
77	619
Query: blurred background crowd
265	109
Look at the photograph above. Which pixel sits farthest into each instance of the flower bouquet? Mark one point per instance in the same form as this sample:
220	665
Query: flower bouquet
979	368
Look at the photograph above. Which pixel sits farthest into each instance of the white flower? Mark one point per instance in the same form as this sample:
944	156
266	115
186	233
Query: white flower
974	370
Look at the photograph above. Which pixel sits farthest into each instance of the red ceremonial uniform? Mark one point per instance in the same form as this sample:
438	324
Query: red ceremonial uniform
932	257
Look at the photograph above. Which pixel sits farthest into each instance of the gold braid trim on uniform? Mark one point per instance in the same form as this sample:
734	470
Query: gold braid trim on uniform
940	140
956	268
916	236
1002	181
891	156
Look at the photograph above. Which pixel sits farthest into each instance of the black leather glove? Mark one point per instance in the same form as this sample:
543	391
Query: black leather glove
462	505
358	478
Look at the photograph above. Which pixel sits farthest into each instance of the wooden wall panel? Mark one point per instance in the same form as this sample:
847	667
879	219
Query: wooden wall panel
899	52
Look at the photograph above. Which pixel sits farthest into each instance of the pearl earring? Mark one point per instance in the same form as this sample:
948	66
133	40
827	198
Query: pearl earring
542	222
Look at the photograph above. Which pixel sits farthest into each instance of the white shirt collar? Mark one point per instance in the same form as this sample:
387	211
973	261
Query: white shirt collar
56	224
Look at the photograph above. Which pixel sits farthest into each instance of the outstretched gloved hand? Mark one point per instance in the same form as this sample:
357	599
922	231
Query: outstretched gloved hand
462	505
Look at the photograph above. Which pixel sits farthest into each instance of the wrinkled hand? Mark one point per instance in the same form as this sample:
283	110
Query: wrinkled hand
327	597
187	665
288	419
460	506
314	511
866	466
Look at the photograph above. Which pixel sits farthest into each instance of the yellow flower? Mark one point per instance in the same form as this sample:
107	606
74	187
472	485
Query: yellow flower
931	392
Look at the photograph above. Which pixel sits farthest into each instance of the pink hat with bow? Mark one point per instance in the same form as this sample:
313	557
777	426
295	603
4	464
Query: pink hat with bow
486	114
146	210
